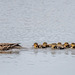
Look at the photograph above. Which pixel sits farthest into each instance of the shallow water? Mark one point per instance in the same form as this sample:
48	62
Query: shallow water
29	21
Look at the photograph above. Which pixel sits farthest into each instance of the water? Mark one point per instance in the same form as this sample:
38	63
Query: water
29	21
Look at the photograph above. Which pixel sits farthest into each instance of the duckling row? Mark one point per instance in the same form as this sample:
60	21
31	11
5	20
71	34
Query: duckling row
58	45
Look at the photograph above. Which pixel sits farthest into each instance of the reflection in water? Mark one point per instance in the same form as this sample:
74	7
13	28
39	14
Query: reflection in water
54	52
33	60
45	51
73	52
10	52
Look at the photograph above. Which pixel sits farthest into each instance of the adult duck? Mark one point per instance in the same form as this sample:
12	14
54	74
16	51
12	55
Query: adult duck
7	46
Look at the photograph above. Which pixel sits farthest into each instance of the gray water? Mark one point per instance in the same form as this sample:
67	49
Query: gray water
29	21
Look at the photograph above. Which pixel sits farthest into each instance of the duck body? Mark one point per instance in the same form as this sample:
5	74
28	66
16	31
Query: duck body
7	46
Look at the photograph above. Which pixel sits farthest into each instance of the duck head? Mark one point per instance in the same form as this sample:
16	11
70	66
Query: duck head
72	44
59	43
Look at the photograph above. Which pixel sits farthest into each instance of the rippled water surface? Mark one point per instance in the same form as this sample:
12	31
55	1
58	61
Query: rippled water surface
29	21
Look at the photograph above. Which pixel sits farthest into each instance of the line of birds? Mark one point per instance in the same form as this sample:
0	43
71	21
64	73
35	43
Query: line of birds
58	45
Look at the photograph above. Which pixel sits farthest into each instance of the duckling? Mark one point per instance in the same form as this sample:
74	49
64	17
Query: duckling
66	45
73	45
45	45
60	46
54	47
36	45
40	46
49	45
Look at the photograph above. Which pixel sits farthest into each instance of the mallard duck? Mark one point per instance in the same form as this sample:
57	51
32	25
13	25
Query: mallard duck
7	46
